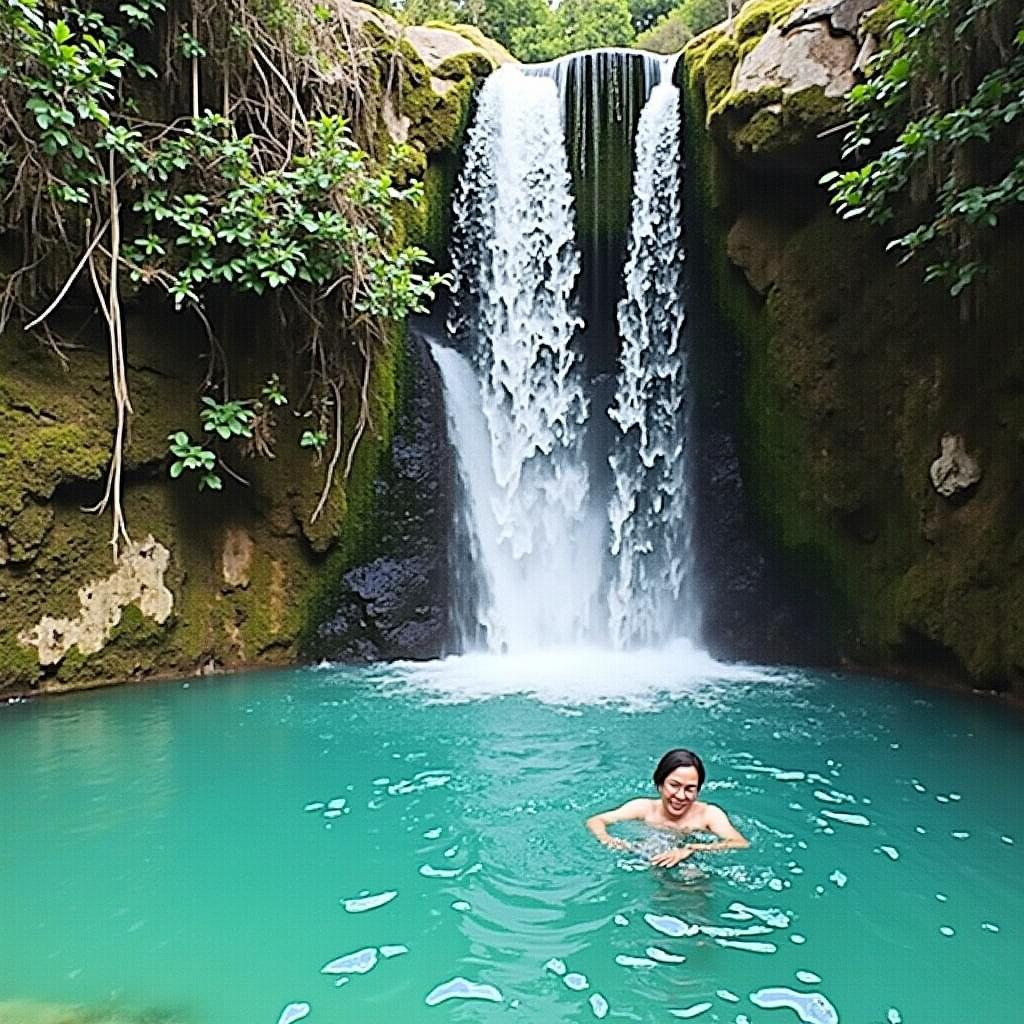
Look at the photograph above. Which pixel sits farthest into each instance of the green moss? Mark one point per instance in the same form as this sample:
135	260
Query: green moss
718	68
358	531
757	16
745	104
429	224
437	120
471	64
28	530
772	123
19	665
878	21
36	455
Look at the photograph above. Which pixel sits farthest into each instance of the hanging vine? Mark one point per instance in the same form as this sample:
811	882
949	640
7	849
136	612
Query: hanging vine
271	194
937	136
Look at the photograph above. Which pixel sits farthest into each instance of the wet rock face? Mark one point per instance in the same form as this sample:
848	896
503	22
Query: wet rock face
394	604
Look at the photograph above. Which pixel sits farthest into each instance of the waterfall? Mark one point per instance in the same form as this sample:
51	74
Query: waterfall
536	539
574	508
649	507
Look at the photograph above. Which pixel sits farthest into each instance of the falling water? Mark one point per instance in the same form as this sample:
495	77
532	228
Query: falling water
650	504
536	538
574	505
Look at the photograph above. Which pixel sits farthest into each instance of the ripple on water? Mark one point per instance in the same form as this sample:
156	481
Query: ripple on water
634	961
750	947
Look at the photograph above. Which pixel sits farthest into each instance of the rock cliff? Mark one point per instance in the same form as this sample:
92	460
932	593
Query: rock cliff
878	437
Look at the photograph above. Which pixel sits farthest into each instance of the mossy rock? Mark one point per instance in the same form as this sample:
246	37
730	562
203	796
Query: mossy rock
757	16
717	70
19	665
773	124
763	92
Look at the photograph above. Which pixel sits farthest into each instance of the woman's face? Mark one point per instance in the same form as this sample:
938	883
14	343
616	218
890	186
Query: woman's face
679	790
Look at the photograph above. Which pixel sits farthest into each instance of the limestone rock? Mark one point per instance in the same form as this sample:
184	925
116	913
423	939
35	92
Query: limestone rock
806	56
954	471
843	16
236	557
436	45
790	74
754	244
138	579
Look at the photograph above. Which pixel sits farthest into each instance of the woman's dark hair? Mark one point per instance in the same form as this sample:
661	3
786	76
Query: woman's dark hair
678	759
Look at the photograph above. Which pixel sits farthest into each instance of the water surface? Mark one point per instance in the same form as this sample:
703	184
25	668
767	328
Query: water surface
207	848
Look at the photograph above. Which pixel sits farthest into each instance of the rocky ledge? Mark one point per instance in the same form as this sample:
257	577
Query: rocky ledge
773	79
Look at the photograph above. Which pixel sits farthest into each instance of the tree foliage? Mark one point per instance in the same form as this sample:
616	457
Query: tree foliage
938	141
537	30
676	28
644	14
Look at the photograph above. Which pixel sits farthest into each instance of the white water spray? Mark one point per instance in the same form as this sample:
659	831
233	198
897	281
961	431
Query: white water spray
515	267
560	556
650	507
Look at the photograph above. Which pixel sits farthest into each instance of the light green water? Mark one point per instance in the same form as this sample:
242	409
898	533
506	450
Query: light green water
158	853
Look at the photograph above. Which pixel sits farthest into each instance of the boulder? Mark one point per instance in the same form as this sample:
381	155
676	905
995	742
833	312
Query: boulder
954	472
776	80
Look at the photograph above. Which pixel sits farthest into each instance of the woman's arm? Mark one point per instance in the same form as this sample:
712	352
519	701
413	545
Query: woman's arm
631	811
717	822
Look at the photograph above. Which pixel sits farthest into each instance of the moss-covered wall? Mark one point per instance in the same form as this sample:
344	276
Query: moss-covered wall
852	370
247	568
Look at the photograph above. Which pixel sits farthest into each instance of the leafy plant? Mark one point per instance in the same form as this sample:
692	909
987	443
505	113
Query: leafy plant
190	456
272	393
276	199
227	419
316	439
939	120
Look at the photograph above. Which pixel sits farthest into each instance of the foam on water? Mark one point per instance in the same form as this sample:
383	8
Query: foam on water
462	988
363	903
810	1007
293	1012
360	962
691	1011
574	676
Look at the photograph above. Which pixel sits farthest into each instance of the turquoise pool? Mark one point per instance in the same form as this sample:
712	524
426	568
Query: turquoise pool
205	849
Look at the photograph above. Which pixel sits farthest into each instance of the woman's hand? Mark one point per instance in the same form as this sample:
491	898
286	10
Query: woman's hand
670	858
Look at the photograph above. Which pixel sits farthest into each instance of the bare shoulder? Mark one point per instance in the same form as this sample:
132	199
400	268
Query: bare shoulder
637	809
715	820
711	815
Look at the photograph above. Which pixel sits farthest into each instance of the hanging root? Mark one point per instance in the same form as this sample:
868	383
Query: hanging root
110	307
364	408
333	464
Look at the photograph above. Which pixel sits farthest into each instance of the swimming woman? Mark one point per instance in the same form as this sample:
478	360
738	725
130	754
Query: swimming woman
678	778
